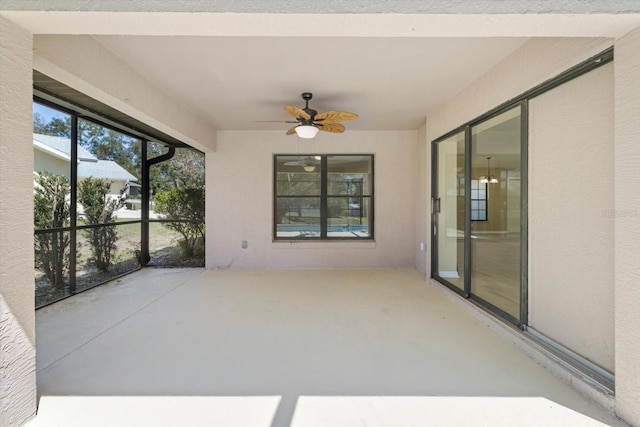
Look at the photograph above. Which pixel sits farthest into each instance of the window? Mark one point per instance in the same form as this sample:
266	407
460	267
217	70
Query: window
323	197
478	200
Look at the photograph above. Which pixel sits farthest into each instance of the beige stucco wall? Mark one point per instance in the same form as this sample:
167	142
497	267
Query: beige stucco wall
17	318
240	200
627	226
571	196
422	204
536	61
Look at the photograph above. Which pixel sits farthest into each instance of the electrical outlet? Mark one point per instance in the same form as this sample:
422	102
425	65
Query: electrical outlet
244	244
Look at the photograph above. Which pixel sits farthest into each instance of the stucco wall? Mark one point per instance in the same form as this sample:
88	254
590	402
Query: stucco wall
627	226
17	319
422	205
571	225
240	200
536	61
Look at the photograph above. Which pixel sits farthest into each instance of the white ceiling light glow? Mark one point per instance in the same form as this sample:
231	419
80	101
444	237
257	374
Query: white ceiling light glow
306	131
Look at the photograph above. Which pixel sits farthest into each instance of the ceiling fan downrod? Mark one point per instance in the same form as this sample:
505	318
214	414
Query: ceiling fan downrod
310	111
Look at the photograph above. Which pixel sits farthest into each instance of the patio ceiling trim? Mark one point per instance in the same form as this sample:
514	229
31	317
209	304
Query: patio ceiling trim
60	94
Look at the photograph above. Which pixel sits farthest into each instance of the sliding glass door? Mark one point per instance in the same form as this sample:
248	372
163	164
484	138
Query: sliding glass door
449	210
495	229
477	213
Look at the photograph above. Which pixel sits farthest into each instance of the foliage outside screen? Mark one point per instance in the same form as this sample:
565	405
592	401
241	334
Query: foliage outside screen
52	210
185	171
99	209
184	204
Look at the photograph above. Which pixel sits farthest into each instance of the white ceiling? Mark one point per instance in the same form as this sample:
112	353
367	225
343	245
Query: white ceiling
234	62
232	82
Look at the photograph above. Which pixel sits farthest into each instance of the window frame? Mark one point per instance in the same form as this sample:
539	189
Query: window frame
324	198
478	200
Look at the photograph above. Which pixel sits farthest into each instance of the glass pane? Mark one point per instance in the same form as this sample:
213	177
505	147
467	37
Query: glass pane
349	175
298	217
108	174
177	193
298	175
348	217
51	266
495	243
52	209
451	217
105	252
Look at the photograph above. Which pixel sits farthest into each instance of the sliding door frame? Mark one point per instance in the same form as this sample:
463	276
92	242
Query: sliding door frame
522	100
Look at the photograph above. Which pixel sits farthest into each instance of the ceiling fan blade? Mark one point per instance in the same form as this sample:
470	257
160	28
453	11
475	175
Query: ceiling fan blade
292	130
307	161
335	116
331	127
297	112
274	121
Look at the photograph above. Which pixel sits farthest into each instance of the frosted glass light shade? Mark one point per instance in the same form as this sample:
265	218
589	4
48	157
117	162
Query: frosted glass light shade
306	131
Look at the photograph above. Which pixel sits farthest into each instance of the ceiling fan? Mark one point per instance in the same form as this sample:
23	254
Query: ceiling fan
309	121
308	163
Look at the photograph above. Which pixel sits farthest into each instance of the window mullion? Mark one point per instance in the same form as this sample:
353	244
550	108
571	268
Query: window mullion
324	210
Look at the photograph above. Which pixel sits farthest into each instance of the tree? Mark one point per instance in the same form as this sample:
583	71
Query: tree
55	127
52	210
185	169
185	204
99	209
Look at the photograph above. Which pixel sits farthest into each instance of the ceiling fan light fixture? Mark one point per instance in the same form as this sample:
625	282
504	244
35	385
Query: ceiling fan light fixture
309	168
306	131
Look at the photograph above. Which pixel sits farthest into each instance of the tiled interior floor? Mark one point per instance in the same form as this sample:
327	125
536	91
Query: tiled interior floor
293	348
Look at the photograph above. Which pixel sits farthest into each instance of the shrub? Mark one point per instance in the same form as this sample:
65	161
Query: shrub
99	209
185	204
52	210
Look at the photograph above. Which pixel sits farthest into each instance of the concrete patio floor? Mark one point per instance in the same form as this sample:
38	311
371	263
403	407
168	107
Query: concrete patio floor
293	348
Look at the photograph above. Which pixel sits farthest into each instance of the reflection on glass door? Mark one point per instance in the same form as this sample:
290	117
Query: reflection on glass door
496	237
449	210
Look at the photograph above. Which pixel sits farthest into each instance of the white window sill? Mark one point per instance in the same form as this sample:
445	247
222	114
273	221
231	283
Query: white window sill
324	244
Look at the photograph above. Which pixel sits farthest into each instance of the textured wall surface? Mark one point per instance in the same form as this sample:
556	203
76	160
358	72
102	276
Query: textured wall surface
17	319
627	228
17	370
239	201
423	219
571	190
536	61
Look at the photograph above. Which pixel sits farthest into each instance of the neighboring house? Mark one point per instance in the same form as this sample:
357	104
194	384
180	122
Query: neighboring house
53	154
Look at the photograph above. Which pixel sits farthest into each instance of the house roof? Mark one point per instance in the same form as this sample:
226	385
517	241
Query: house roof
88	164
63	145
105	169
